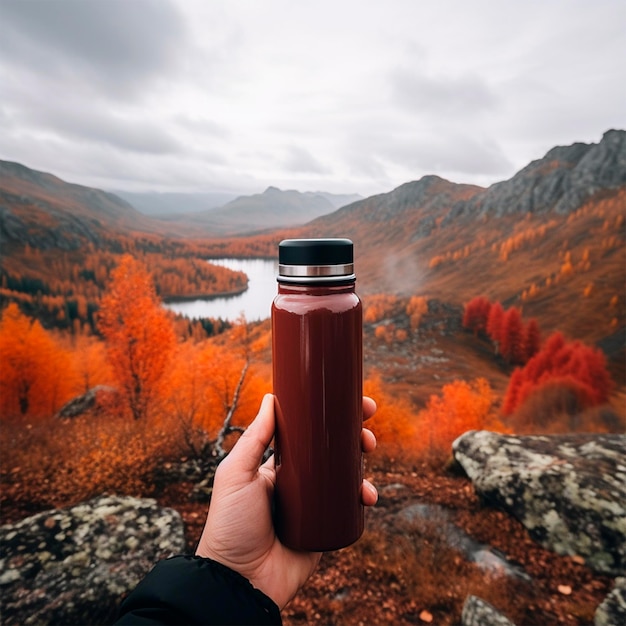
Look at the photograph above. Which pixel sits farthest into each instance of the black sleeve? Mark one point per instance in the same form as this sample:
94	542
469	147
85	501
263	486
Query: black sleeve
195	590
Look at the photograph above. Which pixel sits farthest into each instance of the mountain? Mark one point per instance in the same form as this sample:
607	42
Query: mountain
551	239
46	212
337	200
170	204
40	209
274	208
560	182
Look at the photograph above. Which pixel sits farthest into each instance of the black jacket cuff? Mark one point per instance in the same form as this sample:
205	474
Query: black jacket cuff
195	590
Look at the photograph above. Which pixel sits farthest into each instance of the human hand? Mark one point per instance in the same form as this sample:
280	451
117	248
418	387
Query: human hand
239	531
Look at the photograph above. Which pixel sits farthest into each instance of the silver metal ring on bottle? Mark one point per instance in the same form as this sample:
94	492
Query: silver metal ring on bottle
316	271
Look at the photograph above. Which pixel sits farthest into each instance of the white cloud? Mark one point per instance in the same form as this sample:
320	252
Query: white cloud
463	95
114	46
301	160
345	96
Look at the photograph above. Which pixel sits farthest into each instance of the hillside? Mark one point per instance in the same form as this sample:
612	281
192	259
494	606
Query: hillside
46	212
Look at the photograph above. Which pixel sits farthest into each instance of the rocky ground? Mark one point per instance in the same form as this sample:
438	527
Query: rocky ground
412	570
386	579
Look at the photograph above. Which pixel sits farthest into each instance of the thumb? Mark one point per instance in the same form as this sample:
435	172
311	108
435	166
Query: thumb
248	452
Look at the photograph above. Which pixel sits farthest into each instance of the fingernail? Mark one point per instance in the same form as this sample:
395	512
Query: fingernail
373	491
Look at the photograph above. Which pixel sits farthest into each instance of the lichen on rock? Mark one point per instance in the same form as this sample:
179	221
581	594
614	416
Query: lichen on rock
569	491
73	565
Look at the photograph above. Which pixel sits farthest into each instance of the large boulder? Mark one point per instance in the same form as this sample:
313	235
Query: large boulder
569	491
478	612
613	610
72	566
86	402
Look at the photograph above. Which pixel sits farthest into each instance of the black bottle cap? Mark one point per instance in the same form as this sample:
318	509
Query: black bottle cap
315	259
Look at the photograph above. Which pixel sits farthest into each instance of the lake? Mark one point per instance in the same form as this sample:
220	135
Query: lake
255	303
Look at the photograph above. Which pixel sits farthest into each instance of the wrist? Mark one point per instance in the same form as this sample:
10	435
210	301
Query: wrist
263	599
205	551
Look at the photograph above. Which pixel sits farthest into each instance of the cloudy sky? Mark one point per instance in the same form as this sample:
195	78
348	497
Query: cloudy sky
335	95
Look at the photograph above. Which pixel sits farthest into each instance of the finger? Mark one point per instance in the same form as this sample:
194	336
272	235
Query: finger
268	470
368	440
369	407
248	452
369	495
270	462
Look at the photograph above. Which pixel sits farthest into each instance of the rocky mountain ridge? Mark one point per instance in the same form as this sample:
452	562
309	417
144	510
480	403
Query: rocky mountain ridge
452	241
33	202
559	182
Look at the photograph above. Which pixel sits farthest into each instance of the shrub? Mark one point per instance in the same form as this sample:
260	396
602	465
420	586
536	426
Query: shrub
462	406
476	314
55	462
394	425
572	365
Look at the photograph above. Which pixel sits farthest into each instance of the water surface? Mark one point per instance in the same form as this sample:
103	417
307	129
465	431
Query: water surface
254	303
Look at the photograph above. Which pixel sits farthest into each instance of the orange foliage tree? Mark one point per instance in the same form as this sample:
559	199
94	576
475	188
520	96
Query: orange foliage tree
578	367
394	424
36	376
214	389
139	335
462	406
91	363
415	309
380	306
514	341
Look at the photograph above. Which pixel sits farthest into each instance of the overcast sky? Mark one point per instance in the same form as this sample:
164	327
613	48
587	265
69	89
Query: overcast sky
334	95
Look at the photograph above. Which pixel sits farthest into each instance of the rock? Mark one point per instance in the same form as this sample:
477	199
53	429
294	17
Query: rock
569	491
85	402
72	566
477	612
199	471
612	612
487	558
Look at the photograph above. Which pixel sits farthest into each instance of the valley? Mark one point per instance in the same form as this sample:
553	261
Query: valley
83	276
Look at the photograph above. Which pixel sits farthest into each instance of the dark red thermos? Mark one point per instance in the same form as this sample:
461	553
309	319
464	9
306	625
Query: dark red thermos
317	357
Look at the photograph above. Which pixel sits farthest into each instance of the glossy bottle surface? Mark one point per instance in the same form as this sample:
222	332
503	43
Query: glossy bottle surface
317	369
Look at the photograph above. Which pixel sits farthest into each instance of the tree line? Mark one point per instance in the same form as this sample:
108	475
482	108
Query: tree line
64	290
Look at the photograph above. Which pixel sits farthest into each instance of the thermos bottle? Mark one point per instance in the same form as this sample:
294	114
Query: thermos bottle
317	358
